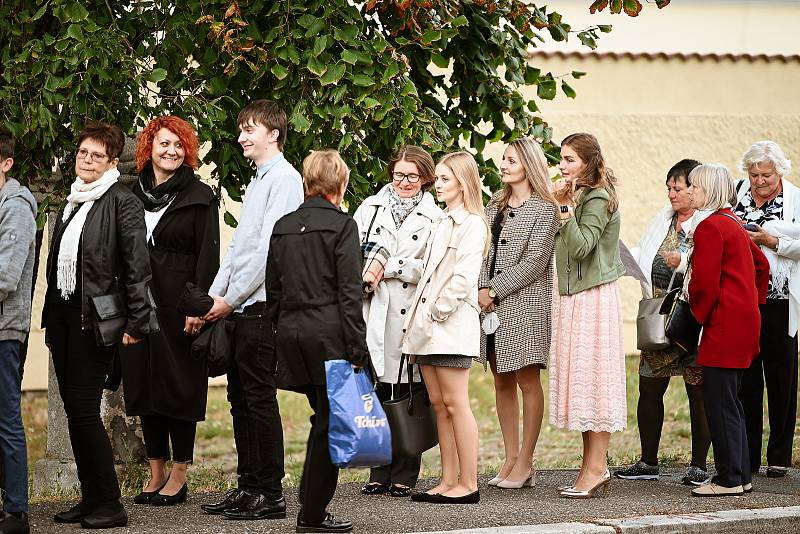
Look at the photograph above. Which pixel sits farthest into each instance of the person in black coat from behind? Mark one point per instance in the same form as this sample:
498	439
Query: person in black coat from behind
314	304
163	383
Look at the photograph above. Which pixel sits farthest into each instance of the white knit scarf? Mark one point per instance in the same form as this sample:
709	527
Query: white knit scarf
82	196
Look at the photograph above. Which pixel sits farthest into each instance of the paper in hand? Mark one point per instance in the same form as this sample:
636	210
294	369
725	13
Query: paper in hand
631	267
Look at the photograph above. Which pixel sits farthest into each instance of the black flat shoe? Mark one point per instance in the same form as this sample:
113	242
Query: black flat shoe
14	523
145	497
95	520
74	514
777	472
258	507
423	496
374	488
329	524
399	490
233	499
170	500
469	498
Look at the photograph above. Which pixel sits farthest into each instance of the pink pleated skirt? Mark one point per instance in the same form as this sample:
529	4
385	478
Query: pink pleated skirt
587	361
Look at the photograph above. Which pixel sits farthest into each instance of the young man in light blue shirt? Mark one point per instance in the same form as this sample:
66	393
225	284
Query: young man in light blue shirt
239	295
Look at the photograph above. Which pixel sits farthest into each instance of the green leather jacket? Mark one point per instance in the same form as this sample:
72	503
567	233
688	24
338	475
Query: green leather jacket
587	245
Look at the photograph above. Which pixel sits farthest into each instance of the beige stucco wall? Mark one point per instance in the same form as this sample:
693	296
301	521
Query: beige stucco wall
648	114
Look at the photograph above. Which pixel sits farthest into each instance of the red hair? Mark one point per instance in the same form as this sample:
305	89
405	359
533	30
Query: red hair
176	125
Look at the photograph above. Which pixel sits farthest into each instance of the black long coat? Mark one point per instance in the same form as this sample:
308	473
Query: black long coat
314	293
159	375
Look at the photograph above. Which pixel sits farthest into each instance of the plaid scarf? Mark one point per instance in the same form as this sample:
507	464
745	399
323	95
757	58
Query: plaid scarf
401	207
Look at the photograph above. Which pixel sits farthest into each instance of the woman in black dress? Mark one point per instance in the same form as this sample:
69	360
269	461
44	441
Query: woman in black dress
164	385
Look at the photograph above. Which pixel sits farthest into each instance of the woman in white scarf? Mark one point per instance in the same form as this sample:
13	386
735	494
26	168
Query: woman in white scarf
770	206
398	219
98	248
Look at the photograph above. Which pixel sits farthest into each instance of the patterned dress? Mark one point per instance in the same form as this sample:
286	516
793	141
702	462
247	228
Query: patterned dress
671	361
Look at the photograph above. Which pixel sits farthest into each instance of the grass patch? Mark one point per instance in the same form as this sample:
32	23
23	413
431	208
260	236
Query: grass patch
215	455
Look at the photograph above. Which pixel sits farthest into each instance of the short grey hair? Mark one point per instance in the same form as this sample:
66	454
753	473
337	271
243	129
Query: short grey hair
766	152
717	182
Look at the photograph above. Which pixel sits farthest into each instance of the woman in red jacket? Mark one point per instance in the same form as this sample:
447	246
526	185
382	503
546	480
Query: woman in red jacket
727	281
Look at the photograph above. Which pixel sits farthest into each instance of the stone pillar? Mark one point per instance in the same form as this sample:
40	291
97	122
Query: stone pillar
57	472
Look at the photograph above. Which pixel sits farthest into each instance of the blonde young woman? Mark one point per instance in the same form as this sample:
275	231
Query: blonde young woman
517	274
442	328
587	374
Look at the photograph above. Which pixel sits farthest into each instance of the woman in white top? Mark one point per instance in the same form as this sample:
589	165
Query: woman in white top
442	326
769	204
399	218
662	251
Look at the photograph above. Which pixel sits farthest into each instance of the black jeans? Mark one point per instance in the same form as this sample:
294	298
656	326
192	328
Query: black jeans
81	367
777	365
257	427
158	430
726	422
320	476
403	469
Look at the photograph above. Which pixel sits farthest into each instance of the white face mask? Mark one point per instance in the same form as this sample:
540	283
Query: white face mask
490	323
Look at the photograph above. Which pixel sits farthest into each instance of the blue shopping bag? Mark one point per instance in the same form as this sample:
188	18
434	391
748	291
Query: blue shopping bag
358	431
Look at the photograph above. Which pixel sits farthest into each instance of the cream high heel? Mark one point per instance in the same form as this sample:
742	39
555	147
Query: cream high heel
572	493
528	481
496	480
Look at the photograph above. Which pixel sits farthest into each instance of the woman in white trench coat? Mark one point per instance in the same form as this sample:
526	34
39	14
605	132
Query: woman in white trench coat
398	218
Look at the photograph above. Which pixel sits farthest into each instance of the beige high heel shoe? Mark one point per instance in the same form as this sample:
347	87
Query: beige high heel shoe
572	493
494	481
528	481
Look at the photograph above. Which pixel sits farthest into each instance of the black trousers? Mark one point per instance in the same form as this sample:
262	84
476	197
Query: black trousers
320	476
257	427
776	365
81	367
726	421
403	469
158	430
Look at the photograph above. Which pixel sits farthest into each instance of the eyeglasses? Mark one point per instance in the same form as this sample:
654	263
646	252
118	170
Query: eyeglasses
400	176
95	156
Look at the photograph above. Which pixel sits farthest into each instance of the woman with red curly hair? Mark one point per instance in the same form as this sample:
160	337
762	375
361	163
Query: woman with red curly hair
164	385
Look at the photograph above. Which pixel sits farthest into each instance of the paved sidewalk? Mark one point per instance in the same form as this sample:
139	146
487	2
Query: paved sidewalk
626	509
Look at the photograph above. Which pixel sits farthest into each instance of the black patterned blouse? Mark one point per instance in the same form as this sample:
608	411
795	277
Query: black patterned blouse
772	210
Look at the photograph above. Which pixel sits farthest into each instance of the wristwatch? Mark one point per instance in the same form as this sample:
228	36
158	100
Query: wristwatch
492	293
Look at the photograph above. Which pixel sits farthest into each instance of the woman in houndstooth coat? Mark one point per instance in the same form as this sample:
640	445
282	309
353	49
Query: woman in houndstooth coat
517	284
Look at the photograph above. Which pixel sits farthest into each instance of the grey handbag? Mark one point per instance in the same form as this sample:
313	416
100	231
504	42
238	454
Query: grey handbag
651	321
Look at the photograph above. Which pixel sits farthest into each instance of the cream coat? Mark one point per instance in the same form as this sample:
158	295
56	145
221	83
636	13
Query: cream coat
385	309
443	318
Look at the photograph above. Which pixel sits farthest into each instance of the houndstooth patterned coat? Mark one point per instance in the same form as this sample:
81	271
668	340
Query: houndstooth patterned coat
523	281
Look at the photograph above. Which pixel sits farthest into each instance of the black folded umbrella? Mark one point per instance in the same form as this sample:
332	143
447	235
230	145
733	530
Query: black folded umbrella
194	301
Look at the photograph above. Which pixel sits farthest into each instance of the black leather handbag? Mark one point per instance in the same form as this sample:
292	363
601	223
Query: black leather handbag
111	316
411	419
681	327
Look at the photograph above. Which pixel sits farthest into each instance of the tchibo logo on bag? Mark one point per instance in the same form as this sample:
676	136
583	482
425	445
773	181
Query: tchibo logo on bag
364	421
368	402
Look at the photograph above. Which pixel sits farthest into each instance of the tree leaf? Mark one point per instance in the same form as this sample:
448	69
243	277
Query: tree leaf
320	44
350	57
157	75
230	220
569	91
279	71
333	74
547	89
578	74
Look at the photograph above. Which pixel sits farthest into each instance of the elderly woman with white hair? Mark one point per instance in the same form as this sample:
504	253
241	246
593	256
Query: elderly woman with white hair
770	205
728	277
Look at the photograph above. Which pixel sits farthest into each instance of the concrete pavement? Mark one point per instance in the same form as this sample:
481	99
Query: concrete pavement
664	506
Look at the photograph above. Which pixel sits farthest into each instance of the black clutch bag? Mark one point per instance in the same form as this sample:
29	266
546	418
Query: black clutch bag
412	421
215	346
681	327
111	316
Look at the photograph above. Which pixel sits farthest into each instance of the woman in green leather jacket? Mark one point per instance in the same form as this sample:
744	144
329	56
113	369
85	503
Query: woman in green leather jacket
587	365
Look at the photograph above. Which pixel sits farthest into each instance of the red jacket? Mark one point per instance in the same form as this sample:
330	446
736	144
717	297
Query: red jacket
729	280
